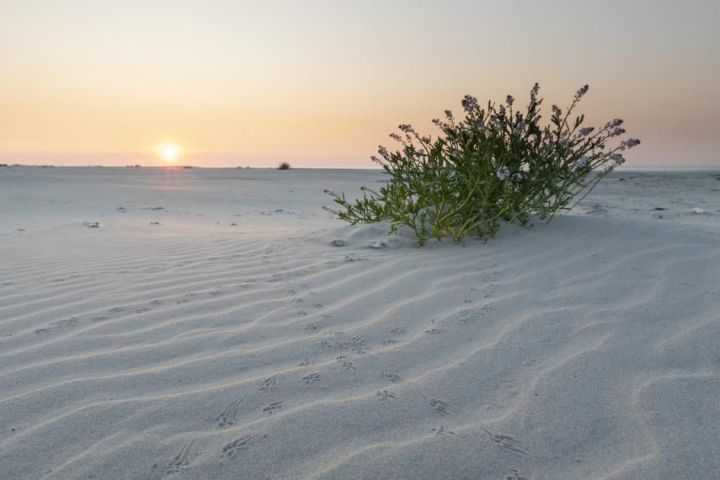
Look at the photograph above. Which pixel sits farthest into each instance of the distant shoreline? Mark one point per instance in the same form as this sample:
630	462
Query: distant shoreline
634	168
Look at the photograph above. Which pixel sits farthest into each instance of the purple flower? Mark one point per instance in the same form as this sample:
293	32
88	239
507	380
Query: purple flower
614	123
407	128
617	158
503	173
469	103
395	137
510	100
629	143
383	151
584	132
533	94
449	115
581	92
617	131
556	111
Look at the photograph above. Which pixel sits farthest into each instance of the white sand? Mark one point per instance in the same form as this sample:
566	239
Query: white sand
198	349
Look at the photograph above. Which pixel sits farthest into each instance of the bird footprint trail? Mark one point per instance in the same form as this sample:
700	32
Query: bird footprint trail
391	377
506	441
181	461
443	431
233	448
187	356
273	408
311	378
386	395
268	384
229	415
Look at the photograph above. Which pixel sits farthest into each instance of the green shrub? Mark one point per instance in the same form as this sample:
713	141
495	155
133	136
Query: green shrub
496	164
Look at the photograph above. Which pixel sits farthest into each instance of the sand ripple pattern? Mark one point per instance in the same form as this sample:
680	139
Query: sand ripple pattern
585	350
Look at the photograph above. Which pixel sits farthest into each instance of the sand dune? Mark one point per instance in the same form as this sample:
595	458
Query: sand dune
208	329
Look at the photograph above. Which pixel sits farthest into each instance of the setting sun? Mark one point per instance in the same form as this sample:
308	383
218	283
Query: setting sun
169	152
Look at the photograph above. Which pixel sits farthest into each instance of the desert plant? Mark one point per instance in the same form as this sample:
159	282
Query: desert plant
496	164
284	166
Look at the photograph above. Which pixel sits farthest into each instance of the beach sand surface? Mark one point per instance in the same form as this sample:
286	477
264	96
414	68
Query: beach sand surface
200	324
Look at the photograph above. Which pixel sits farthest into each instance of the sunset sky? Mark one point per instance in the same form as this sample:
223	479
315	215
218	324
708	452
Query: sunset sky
323	82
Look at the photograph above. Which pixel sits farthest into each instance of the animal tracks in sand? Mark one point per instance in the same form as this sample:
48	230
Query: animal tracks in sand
472	315
228	416
311	378
273	408
505	441
391	377
311	328
440	406
233	448
70	322
386	395
268	384
443	431
205	369
346	363
181	461
515	475
340	342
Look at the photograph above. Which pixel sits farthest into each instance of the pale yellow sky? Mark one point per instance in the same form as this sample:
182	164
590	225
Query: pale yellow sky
321	83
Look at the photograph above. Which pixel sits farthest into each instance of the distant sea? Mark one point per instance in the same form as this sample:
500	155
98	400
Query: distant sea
670	168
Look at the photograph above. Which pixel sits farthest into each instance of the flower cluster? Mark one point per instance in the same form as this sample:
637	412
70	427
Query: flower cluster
496	164
581	92
469	103
629	143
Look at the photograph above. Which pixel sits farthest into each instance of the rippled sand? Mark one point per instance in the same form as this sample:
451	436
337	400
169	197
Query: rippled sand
208	329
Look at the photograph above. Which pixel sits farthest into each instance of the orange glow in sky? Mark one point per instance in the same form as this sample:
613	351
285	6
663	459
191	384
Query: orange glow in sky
322	83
